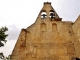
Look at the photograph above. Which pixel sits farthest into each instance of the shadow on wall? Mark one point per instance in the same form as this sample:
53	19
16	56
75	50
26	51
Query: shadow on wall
77	59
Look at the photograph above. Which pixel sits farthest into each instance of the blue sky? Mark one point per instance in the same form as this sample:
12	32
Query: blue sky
18	14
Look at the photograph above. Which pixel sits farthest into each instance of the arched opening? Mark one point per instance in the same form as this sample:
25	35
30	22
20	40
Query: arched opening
43	14
54	27
52	14
43	27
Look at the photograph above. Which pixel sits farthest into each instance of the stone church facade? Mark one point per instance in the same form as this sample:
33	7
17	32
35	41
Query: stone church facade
49	38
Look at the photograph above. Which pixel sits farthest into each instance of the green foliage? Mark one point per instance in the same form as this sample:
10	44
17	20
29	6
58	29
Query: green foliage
1	55
3	35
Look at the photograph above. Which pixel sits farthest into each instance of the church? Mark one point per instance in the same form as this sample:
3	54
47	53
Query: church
49	38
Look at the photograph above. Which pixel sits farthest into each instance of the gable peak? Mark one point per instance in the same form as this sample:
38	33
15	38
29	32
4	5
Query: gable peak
48	12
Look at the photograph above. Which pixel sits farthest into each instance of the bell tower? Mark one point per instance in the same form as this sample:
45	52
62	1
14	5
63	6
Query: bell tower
47	12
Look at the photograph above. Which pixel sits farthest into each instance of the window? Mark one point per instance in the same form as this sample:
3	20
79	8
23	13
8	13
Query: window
52	14
43	15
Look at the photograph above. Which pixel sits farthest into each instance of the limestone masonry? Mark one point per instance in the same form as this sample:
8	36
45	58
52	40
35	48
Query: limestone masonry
49	38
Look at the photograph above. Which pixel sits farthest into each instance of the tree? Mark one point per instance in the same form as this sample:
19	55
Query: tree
2	39
3	35
1	55
8	58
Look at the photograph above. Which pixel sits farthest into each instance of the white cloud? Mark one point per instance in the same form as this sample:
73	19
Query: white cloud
69	10
13	32
8	48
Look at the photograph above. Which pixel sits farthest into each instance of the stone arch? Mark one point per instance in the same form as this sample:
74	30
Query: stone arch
54	27
43	14
43	27
52	14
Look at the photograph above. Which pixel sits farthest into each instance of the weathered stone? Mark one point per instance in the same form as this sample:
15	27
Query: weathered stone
48	38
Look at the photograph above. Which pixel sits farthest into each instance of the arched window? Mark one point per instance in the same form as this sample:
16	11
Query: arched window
43	27
54	27
43	15
52	14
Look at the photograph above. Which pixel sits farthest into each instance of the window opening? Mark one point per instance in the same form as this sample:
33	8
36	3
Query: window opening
43	15
52	15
